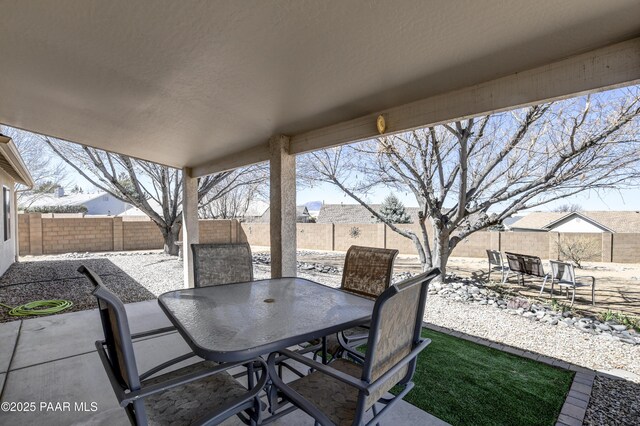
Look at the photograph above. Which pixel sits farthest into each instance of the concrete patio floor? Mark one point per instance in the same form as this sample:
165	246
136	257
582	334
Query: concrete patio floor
53	359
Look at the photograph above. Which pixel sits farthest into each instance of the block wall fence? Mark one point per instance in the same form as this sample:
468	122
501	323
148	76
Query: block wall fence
45	234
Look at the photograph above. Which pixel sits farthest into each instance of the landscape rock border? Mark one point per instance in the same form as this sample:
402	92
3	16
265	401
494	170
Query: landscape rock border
468	290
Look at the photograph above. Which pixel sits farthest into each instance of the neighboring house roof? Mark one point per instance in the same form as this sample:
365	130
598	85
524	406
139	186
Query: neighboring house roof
256	208
46	200
537	220
508	222
301	213
11	162
134	211
355	213
609	221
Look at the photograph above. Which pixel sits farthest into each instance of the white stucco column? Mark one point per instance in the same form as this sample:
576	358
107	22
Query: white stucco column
282	208
190	230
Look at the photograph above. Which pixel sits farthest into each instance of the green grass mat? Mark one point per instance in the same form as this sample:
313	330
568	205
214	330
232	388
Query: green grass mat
464	383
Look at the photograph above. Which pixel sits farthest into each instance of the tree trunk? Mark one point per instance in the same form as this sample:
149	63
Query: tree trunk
171	235
441	250
425	260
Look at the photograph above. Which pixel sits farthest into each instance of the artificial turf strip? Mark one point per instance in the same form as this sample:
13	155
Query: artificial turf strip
464	383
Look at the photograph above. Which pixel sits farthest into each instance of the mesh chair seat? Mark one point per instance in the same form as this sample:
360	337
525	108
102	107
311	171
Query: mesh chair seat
336	399
184	404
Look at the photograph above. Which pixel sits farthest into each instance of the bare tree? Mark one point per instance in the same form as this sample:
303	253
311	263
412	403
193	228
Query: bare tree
578	250
46	171
153	188
568	208
471	174
235	203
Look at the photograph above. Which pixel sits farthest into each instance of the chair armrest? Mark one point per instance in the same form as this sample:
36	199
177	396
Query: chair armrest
359	356
393	370
153	332
164	365
146	391
326	369
593	279
367	388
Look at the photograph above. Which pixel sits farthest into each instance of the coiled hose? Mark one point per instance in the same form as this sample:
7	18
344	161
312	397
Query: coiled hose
39	307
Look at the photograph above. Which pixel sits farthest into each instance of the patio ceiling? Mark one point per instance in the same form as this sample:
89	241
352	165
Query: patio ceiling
204	84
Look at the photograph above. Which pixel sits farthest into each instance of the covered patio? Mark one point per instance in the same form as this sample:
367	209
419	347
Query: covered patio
54	360
207	87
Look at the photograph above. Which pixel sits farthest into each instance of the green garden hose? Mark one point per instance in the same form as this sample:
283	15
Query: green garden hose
39	307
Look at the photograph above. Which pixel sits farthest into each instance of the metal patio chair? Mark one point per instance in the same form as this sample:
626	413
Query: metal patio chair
497	263
342	392
565	275
367	272
217	264
150	398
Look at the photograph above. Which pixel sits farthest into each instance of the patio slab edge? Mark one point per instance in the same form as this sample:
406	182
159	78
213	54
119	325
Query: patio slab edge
575	405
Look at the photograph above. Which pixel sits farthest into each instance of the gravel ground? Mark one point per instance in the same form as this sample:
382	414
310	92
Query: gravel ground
613	402
567	344
133	278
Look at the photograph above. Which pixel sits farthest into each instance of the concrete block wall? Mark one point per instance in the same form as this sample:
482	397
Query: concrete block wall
532	243
256	234
625	248
594	243
141	235
46	234
315	236
607	248
400	243
348	234
23	234
218	231
76	235
475	245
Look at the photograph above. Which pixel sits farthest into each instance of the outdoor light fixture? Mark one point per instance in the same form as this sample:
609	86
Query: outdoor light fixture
381	124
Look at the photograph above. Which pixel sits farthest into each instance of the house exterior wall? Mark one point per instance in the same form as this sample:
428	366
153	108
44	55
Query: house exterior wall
106	204
8	248
577	224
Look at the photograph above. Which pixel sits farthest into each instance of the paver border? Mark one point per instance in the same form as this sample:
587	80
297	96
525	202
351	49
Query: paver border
575	405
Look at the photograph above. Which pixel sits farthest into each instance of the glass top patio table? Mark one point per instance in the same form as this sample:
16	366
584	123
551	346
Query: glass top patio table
236	322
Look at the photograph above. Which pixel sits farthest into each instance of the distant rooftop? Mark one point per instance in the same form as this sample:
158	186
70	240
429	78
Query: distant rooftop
616	221
355	213
46	200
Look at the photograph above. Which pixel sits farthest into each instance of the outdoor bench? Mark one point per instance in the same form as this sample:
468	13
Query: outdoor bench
524	264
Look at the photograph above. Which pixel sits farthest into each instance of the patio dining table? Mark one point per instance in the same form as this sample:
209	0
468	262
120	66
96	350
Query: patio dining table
237	322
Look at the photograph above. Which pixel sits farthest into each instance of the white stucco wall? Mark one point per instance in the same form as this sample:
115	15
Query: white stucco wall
576	224
105	205
7	248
